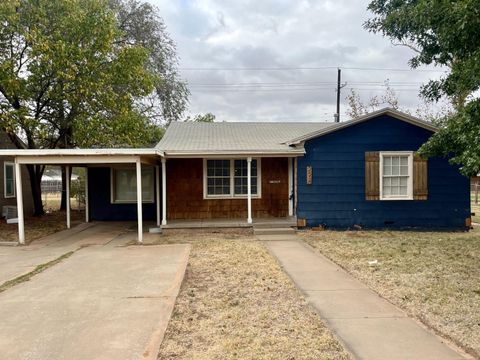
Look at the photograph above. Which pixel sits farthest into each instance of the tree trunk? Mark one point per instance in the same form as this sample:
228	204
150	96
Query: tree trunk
35	173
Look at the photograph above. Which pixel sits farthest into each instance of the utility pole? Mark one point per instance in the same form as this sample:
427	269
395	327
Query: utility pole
339	89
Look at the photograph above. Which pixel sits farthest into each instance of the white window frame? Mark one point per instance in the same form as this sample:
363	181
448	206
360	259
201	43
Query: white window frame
409	195
232	194
112	186
12	164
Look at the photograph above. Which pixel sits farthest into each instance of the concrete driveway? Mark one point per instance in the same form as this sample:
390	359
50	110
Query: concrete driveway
106	301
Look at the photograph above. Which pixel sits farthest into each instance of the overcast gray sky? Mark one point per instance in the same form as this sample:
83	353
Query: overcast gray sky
241	58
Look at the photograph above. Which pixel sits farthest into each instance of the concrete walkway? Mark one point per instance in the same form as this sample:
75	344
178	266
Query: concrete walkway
369	326
106	301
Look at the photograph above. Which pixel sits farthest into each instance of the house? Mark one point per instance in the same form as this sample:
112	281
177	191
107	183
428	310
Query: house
359	173
8	201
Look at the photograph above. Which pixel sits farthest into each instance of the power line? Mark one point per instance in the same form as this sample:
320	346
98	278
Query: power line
298	89
304	68
320	83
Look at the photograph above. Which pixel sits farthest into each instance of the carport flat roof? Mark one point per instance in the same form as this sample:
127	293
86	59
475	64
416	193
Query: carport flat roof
82	156
81	152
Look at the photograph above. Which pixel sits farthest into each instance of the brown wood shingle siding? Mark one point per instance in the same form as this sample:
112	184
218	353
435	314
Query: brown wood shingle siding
185	192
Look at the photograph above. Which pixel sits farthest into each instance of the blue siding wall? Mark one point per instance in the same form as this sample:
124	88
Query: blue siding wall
336	197
102	209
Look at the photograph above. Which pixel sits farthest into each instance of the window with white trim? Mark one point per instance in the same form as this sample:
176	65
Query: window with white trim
218	177
124	185
227	178
241	179
396	175
8	179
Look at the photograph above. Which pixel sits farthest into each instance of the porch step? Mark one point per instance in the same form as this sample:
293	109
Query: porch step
273	230
275	223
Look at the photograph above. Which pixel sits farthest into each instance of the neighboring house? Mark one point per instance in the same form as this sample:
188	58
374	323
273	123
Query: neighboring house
7	180
361	173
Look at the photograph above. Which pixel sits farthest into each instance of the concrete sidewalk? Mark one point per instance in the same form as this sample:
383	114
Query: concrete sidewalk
369	326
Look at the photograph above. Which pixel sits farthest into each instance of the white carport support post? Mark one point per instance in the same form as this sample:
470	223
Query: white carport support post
67	179
139	201
21	221
157	192
249	189
290	187
164	191
87	214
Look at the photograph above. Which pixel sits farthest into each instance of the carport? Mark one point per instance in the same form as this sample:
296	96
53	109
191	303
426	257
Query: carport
91	158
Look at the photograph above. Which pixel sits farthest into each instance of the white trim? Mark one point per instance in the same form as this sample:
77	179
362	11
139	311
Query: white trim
386	111
290	187
249	189
5	164
232	194
295	184
112	186
87	210
67	194
164	191
21	219
409	195
157	193
138	176
59	160
81	152
220	154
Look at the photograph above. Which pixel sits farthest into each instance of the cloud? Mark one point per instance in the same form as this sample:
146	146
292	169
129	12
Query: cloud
226	35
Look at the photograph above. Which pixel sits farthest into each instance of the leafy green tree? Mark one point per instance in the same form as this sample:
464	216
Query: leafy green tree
141	24
445	33
69	77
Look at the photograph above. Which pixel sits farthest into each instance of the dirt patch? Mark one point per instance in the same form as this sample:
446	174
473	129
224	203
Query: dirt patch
237	303
434	276
39	227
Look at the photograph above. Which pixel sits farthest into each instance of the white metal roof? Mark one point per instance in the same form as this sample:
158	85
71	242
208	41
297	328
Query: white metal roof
235	137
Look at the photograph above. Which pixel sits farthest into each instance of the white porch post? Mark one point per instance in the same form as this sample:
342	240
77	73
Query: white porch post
290	187
249	189
295	185
67	179
18	184
87	214
157	192
139	201
164	191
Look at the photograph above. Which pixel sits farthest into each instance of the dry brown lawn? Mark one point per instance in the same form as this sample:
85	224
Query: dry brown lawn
434	276
39	227
237	303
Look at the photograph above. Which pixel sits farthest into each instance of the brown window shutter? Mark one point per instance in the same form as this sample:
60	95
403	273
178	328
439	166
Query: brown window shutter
420	178
372	175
